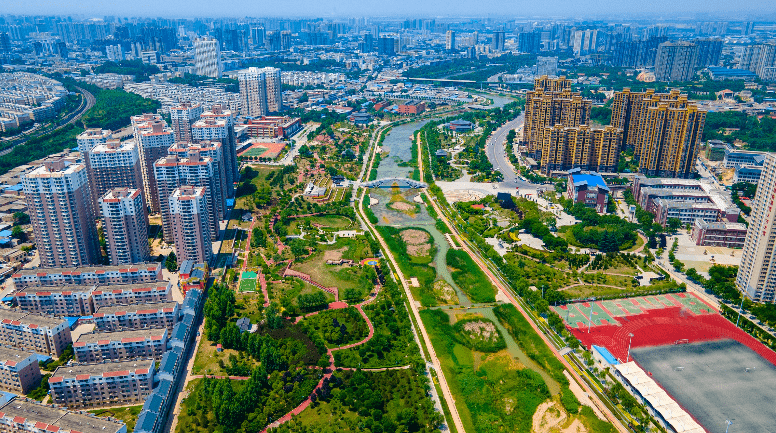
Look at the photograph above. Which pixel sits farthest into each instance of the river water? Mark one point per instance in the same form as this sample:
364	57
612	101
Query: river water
397	149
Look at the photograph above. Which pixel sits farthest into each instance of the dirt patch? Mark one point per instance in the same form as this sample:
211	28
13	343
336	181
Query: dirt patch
485	330
548	417
444	292
334	254
414	237
419	250
582	396
401	206
576	426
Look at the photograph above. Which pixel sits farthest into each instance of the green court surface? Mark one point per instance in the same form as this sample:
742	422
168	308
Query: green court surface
248	285
578	315
248	274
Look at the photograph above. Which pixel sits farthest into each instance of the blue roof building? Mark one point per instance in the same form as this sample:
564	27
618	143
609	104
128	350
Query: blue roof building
603	356
588	188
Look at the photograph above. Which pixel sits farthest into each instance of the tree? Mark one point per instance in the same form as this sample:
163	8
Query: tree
172	262
674	224
18	233
21	218
258	238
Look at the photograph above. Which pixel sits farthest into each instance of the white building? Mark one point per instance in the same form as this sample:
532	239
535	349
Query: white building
207	57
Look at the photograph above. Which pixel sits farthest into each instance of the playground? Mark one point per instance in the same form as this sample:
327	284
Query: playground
248	281
263	150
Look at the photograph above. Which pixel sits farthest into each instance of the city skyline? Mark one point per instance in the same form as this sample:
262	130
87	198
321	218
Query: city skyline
498	9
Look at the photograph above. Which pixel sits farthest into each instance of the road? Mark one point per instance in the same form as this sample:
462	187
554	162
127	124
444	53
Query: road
87	102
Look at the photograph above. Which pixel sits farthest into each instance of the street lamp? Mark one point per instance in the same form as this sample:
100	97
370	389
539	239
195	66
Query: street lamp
728	425
627	359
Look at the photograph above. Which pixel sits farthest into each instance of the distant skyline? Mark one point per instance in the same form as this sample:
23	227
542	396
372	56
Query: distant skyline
565	9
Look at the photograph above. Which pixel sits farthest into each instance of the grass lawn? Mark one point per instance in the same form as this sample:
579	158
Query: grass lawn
207	358
286	291
338	276
331	221
248	285
127	414
327	417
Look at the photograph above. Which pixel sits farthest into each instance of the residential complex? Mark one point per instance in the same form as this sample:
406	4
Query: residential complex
83	300
757	272
760	59
227	138
60	209
102	275
121	345
664	130
172	172
190	222
565	148
137	316
19	370
125	224
26	98
34	332
214	151
20	415
104	384
552	103
90	138
675	61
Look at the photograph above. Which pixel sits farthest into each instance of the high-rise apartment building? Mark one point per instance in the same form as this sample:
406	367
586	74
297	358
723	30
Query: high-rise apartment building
675	61
664	130
60	208
760	59
114	164
227	138
757	272
497	43
191	225
207	57
260	91
450	40
92	137
173	172
386	46
709	52
213	150
529	42
153	138
551	103
125	224
565	148
182	117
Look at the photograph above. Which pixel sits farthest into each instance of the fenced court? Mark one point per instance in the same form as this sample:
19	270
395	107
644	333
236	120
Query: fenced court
248	281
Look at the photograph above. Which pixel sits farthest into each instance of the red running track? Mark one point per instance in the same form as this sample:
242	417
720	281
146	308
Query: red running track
667	326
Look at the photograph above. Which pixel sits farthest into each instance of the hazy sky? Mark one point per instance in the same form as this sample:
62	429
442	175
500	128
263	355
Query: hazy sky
731	9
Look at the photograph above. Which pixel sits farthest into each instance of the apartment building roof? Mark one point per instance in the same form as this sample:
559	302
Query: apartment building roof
48	290
102	369
48	418
10	356
130	336
32	320
120	310
134	287
42	272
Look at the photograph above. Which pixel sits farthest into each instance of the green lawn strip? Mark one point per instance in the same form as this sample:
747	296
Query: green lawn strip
469	277
128	415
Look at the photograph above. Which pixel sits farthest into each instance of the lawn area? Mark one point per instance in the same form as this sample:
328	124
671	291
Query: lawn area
207	358
126	414
342	277
336	222
414	258
469	277
248	285
286	291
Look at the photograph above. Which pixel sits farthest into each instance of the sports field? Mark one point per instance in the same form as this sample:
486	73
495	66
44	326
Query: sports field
264	150
248	281
715	381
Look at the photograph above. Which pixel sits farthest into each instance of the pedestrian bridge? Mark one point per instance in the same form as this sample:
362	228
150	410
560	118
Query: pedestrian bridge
401	182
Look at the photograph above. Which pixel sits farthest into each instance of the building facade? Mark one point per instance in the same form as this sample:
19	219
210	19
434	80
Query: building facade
60	209
20	415
719	234
114	164
131	294
260	91
34	332
580	147
137	316
215	151
675	61
104	384
154	138
588	188
182	117
92	275
757	272
207	57
190	222
121	345
125	224
228	141
19	370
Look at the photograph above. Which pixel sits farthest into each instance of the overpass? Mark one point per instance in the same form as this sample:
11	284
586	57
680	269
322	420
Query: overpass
388	182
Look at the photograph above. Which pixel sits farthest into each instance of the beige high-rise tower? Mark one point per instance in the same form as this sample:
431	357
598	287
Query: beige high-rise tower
260	91
125	223
60	208
191	225
757	272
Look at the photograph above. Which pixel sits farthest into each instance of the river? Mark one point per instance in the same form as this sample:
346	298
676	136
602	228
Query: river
397	150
